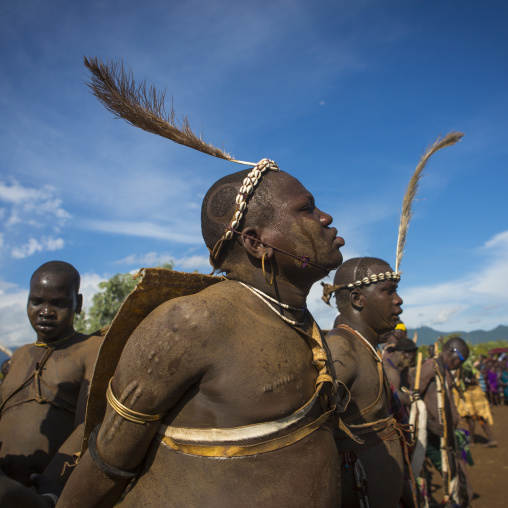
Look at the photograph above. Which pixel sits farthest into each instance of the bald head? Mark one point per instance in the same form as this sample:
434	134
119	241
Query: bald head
61	269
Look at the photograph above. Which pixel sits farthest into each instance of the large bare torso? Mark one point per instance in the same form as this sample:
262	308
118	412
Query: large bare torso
257	369
31	431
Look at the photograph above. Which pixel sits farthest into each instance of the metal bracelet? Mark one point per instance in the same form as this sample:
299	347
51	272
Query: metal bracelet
103	466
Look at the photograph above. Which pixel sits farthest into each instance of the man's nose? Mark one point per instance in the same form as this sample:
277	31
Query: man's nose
325	219
46	310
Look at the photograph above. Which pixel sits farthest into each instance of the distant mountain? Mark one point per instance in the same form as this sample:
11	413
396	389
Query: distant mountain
428	335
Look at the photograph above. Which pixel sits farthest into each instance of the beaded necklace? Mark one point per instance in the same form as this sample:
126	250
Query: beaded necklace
264	298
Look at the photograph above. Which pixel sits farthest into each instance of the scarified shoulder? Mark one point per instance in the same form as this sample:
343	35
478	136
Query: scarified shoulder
198	314
341	341
344	354
185	333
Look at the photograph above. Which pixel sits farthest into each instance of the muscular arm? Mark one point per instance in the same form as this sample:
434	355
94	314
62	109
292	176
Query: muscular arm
161	360
343	357
428	390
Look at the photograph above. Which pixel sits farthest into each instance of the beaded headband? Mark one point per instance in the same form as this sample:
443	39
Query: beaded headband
329	289
247	189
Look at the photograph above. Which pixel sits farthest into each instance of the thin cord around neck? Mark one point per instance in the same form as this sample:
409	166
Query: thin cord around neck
261	295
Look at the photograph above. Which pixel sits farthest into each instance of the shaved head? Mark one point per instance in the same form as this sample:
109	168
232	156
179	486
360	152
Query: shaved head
59	268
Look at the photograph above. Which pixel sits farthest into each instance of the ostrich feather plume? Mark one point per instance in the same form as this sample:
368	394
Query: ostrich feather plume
143	107
412	189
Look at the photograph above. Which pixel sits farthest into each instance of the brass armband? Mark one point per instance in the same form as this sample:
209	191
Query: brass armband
126	413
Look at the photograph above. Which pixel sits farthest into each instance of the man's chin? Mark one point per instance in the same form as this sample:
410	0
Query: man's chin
334	261
47	335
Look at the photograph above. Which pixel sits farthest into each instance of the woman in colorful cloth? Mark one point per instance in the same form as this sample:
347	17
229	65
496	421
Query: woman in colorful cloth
474	406
503	381
492	381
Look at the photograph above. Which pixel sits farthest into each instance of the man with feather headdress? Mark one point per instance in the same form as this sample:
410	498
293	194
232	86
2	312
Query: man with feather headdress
369	307
222	397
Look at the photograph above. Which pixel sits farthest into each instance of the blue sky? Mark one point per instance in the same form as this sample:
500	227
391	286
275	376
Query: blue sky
343	95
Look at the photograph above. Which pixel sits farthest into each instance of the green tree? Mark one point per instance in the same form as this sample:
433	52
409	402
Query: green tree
107	302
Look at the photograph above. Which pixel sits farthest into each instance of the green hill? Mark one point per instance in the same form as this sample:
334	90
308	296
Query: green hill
427	335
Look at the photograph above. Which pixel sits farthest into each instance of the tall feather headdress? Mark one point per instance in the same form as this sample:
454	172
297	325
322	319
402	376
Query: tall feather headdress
405	216
412	188
144	107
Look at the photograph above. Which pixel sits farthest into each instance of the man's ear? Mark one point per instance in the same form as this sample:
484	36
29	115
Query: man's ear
79	304
251	240
355	297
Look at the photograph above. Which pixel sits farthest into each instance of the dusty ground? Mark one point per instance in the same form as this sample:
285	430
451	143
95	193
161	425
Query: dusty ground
489	475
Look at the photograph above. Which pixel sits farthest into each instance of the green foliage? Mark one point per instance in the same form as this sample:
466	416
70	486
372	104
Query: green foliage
474	351
484	348
424	350
107	302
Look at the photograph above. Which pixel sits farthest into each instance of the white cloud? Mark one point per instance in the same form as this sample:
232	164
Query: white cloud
186	263
33	246
146	260
144	229
478	298
498	241
25	201
192	263
322	313
89	287
26	209
15	328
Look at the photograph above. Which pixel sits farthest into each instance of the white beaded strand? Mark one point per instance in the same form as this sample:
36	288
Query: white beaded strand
395	276
280	304
284	318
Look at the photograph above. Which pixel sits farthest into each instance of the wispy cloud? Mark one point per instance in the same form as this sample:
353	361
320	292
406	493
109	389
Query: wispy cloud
89	287
27	202
146	260
15	328
144	229
467	301
33	246
29	214
185	263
